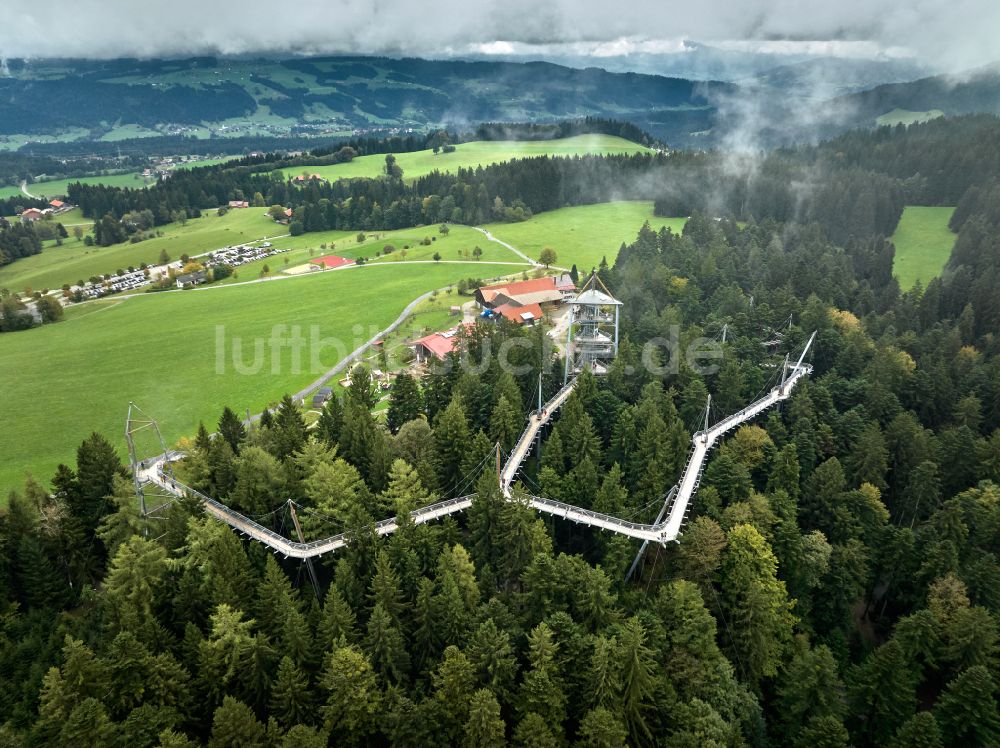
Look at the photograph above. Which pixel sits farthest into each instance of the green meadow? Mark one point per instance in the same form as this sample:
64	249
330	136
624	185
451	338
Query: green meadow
923	244
64	380
76	261
580	235
470	155
583	234
456	246
906	117
58	187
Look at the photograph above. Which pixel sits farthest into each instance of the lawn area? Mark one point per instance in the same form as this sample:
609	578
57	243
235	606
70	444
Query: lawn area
75	261
906	117
468	155
57	187
456	246
923	244
64	380
70	218
583	234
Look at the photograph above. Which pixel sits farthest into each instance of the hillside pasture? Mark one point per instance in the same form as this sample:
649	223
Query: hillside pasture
58	187
583	234
923	244
471	155
906	117
75	261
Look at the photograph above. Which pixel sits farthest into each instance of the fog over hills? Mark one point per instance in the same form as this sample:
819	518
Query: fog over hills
717	73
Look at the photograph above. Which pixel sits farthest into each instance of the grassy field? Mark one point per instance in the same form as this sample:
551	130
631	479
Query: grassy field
62	381
583	234
72	217
906	117
469	155
75	261
923	244
456	246
57	187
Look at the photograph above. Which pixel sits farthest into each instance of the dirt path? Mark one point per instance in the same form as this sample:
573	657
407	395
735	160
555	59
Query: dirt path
511	247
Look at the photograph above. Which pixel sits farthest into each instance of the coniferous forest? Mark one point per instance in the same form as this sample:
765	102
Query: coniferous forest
836	584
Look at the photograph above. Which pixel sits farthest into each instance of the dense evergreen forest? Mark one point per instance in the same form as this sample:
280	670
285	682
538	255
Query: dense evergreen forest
837	583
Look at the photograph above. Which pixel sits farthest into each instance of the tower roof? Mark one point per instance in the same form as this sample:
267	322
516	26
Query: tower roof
594	297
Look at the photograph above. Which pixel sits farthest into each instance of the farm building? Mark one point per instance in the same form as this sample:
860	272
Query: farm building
436	345
239	204
547	290
527	314
58	206
321	396
329	262
191	279
31	214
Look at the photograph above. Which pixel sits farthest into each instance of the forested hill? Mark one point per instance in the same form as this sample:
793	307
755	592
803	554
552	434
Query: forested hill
975	91
324	94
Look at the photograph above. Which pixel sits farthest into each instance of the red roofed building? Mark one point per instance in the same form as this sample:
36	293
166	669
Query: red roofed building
57	204
528	314
31	214
437	345
329	262
537	291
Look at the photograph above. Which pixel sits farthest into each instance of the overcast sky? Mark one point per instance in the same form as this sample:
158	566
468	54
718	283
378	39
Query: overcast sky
950	34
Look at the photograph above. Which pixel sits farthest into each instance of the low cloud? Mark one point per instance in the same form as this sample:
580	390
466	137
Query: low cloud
951	35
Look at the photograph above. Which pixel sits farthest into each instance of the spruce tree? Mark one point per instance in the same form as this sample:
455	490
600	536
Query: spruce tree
405	491
920	731
338	620
231	429
235	726
505	425
451	436
290	695
755	602
599	728
405	402
967	710
453	681
330	420
484	728
385	589
386	647
492	656
882	691
97	464
810	687
534	732
353	698
362	390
